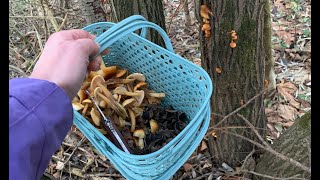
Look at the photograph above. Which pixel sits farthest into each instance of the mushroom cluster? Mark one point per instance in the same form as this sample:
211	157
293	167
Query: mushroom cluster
204	13
122	97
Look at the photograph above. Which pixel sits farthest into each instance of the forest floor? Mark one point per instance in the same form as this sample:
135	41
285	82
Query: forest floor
78	159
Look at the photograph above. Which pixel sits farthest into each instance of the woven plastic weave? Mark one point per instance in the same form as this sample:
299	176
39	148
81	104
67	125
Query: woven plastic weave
187	87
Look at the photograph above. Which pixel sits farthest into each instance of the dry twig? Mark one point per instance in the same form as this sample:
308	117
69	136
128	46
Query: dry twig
269	148
272	177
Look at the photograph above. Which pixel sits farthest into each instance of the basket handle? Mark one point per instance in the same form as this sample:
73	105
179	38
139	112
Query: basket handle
128	26
123	23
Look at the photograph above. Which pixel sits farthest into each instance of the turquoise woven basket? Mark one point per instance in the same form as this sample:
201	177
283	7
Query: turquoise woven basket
187	87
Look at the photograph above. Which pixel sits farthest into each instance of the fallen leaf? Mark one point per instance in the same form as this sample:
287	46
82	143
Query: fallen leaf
287	112
287	124
203	146
187	167
278	127
285	89
60	165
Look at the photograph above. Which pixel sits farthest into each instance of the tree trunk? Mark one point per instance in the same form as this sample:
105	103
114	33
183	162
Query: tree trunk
294	143
270	75
237	73
92	11
151	10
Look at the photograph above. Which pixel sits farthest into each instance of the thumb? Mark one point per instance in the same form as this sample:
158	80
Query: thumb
88	46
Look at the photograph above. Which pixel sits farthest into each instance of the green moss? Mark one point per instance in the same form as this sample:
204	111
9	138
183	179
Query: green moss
245	111
247	43
228	19
305	122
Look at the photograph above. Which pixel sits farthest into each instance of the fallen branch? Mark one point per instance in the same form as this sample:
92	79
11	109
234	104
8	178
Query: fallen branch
74	150
237	110
269	149
272	177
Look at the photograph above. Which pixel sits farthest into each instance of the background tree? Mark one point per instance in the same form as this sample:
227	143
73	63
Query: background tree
151	10
237	73
92	11
294	143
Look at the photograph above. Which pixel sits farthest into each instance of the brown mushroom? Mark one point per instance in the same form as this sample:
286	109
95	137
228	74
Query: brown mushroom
107	96
103	104
137	76
206	27
140	85
77	106
107	72
154	127
133	119
120	73
205	11
87	103
82	95
123	123
128	102
119	81
104	132
139	133
123	91
75	99
95	116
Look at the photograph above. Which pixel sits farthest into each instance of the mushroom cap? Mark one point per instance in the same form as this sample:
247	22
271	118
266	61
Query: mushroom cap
103	104
139	97
82	95
120	73
158	95
139	133
139	85
87	101
128	102
96	117
123	91
137	76
95	94
205	11
233	44
206	27
77	106
98	79
153	126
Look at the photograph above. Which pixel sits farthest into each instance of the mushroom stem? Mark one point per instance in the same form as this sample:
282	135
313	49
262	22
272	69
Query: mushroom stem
133	120
112	102
141	143
85	109
119	109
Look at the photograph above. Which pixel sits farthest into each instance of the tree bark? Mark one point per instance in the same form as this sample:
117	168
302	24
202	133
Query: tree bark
270	75
151	10
92	11
242	72
294	143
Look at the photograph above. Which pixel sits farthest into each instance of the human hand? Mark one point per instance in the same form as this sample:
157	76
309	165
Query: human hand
65	59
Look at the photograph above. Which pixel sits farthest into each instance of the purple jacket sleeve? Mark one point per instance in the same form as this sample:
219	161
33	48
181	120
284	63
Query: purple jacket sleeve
40	116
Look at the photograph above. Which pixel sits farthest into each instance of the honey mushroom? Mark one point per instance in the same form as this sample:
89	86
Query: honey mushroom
121	96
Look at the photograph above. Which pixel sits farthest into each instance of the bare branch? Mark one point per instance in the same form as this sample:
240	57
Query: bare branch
237	110
272	177
269	149
254	130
